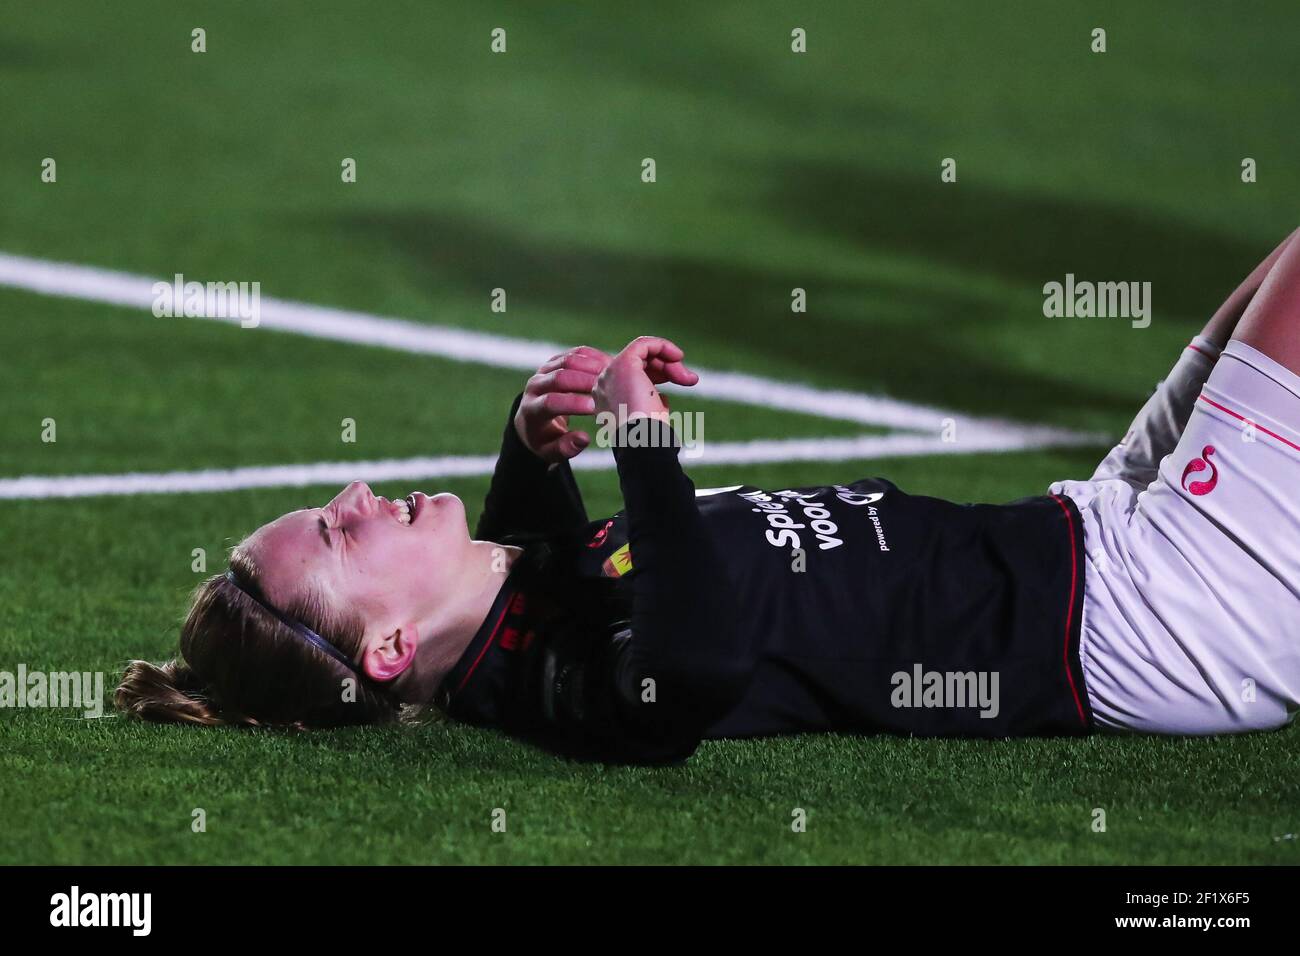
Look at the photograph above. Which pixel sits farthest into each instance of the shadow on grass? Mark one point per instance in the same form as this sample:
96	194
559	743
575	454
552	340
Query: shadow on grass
1016	236
731	306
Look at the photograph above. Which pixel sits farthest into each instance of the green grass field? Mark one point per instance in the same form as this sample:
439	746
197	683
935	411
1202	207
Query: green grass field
522	171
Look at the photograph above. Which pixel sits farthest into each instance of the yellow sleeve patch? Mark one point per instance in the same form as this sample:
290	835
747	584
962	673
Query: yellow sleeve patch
619	563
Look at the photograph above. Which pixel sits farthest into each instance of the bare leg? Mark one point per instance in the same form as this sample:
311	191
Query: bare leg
1222	325
1271	323
1160	423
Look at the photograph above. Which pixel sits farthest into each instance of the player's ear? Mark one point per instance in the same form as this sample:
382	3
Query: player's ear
388	654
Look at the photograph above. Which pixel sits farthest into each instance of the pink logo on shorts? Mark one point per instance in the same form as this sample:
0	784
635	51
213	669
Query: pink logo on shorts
1198	465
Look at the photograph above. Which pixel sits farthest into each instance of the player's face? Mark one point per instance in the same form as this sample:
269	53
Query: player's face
385	559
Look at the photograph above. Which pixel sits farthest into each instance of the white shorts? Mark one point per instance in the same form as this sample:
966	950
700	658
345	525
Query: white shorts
1191	619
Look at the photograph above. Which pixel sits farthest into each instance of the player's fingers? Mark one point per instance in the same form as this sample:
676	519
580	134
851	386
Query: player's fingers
561	380
583	357
679	374
591	352
567	403
573	380
581	362
675	372
648	347
572	443
655	369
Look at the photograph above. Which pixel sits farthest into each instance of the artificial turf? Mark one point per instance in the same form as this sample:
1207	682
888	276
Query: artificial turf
522	171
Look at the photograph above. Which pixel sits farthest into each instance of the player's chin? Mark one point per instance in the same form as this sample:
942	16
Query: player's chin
444	514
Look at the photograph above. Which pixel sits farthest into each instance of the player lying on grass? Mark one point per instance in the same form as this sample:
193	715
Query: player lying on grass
1158	596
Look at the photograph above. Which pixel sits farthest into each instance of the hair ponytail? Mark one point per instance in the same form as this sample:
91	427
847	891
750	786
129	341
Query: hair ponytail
168	693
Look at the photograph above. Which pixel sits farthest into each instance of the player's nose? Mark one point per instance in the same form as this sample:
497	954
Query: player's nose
356	494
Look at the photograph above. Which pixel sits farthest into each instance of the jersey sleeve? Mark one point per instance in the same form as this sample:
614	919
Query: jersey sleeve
687	662
528	496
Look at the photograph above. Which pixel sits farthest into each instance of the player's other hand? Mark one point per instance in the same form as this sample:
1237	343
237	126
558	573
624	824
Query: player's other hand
561	387
626	387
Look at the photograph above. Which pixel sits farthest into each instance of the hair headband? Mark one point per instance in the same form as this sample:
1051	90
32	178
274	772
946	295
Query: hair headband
293	624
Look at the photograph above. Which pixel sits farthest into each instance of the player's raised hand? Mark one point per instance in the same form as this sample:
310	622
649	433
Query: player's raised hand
561	387
626	387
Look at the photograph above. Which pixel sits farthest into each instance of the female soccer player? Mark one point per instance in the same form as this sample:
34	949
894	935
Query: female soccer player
1159	596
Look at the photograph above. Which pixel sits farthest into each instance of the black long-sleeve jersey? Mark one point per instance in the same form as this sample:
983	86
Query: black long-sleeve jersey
849	607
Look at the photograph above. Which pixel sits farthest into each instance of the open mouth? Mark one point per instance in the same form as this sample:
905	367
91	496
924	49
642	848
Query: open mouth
406	510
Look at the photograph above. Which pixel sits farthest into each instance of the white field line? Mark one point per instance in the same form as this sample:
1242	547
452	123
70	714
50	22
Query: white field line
335	473
923	424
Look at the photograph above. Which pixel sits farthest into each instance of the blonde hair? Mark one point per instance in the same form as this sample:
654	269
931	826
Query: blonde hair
240	665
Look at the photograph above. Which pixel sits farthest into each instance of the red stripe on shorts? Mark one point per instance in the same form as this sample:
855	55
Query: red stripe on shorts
1255	425
1069	614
